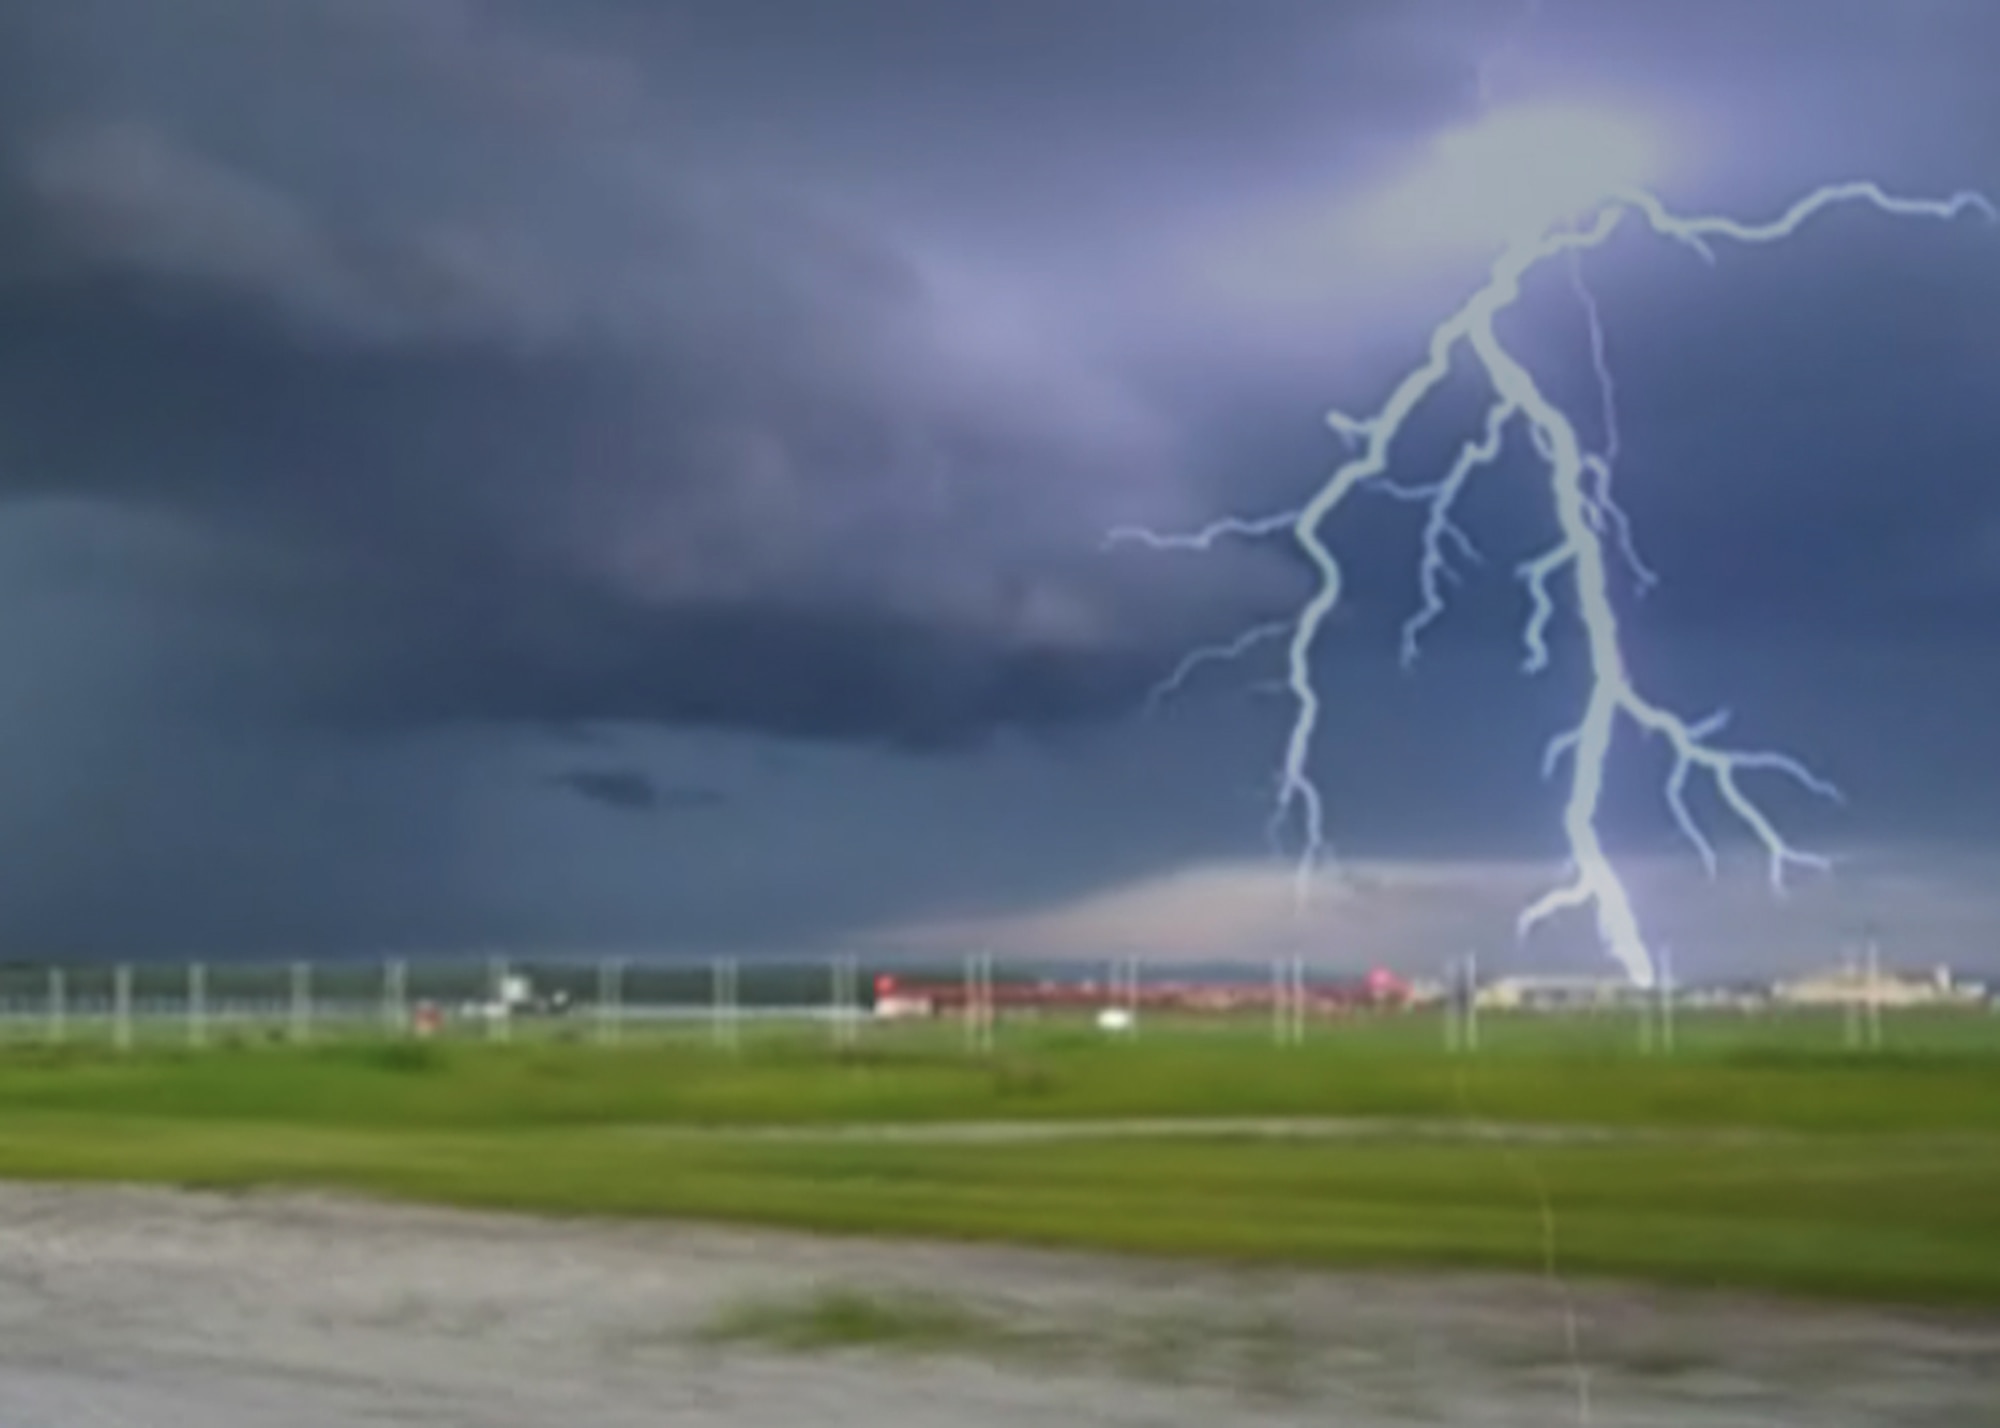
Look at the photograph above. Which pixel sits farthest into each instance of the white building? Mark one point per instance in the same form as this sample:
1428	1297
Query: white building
1854	985
1558	993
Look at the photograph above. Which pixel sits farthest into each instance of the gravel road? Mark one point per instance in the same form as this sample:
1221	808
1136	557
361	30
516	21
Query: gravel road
157	1309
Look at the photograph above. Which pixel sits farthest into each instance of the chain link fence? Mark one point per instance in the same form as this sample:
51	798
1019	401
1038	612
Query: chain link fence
614	999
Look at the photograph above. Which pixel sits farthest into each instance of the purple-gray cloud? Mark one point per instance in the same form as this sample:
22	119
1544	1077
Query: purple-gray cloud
381	377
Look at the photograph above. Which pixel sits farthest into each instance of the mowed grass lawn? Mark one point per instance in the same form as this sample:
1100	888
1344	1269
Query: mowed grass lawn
1872	1175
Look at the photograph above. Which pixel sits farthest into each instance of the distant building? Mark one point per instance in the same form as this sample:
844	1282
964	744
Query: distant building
1558	993
1378	990
1848	986
1725	996
893	1002
1428	992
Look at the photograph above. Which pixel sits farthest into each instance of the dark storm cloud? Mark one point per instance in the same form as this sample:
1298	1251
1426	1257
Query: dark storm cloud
582	375
794	672
463	306
633	791
446	372
560	350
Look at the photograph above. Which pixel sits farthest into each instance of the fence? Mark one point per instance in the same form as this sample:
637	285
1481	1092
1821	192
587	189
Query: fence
299	1000
611	999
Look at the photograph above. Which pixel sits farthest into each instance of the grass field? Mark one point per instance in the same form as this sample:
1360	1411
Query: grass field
1758	1156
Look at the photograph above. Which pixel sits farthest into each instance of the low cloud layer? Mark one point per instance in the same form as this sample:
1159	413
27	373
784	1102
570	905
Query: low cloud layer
1924	908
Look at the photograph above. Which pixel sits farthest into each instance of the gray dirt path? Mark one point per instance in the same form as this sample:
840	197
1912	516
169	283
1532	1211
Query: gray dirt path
129	1308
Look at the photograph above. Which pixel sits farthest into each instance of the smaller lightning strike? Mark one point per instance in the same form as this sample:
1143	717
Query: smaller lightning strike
1605	463
1209	536
1440	530
1234	650
1580	485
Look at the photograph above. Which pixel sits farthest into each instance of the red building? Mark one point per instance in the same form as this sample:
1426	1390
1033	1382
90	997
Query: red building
1380	989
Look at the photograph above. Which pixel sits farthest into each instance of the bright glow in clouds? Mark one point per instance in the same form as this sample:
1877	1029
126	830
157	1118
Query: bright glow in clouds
1594	536
1400	913
1510	177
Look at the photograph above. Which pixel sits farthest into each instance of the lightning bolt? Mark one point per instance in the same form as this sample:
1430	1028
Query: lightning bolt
1234	649
1592	528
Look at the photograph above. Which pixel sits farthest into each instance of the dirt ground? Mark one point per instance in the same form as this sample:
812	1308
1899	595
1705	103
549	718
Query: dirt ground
158	1309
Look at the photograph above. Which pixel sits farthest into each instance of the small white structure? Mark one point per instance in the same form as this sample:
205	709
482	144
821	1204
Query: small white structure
1557	993
1114	1019
512	994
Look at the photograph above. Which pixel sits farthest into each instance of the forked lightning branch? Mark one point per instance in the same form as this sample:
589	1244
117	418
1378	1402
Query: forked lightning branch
1593	538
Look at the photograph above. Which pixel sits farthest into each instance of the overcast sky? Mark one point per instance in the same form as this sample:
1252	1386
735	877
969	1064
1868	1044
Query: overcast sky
632	474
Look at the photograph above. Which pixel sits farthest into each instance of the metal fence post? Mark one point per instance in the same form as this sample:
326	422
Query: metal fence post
978	1002
1288	1000
836	1000
1472	1001
301	1001
1280	991
58	1025
722	1002
972	1001
608	994
1667	1001
1850	1012
395	996
197	1004
499	1012
121	1006
846	1008
1874	997
855	999
987	1011
1454	992
715	1001
1461	1004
